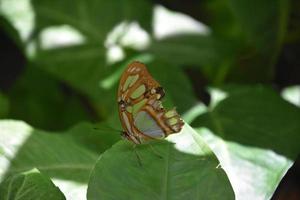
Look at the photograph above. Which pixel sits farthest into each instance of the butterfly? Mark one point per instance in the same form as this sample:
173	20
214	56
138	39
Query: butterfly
140	108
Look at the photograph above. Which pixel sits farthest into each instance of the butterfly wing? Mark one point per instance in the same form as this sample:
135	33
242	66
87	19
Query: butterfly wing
140	110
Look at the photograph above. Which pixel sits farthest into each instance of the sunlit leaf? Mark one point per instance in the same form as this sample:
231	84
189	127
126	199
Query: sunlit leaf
292	95
258	117
243	164
29	185
184	168
58	156
248	117
20	14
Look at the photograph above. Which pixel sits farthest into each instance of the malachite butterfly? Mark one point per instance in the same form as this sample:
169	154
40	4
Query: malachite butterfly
140	109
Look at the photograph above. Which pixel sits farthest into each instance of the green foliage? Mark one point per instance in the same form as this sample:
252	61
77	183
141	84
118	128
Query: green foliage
55	110
45	151
59	156
250	116
177	169
93	18
238	146
30	185
4	106
244	118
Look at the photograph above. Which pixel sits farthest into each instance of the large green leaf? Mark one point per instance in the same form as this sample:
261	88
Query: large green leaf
259	29
53	110
248	117
83	67
4	105
213	55
183	168
96	137
59	156
93	18
253	172
30	185
80	66
264	32
258	117
74	65
192	49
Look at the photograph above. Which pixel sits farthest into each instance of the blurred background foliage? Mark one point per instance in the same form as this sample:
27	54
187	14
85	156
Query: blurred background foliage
225	65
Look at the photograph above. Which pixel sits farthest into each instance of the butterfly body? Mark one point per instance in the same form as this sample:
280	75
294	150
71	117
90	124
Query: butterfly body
140	110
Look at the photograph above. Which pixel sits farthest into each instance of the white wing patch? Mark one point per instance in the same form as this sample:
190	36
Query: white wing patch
147	125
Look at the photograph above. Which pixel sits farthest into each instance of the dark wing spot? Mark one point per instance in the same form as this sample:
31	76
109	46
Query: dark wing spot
160	91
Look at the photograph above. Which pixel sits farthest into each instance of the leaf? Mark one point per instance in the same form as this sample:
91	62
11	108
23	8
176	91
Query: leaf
263	32
10	30
252	171
213	55
74	64
184	168
90	17
173	80
30	185
96	138
254	122
83	68
258	117
292	94
58	156
56	109
192	49
259	36
19	13
4	106
257	28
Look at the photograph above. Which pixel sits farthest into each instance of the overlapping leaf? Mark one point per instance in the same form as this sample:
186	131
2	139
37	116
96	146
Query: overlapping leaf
52	111
184	168
91	17
67	162
255	121
30	185
256	116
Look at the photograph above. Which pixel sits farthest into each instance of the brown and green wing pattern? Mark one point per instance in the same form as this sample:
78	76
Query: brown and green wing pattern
140	110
